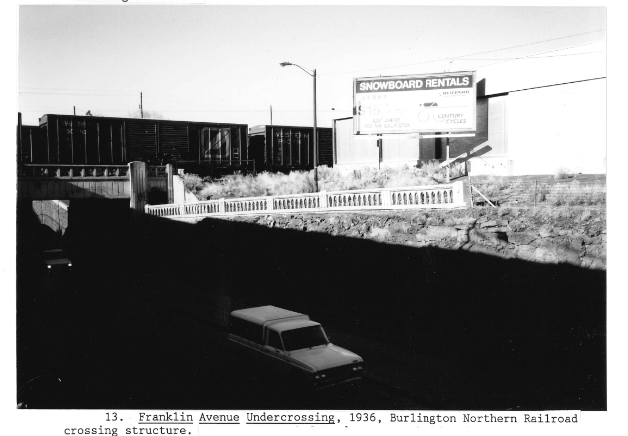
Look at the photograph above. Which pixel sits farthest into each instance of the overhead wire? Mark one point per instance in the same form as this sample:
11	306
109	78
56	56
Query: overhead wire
537	54
462	56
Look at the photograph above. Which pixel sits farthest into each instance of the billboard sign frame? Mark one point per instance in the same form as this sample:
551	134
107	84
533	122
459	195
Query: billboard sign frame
415	103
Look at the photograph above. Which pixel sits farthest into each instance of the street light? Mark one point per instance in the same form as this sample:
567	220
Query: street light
315	148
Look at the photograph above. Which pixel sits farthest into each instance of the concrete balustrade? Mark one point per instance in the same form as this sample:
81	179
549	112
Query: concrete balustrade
61	171
452	195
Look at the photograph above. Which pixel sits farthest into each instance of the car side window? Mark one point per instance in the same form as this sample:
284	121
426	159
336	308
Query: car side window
274	340
246	330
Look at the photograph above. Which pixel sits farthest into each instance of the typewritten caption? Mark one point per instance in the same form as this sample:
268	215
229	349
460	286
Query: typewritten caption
202	423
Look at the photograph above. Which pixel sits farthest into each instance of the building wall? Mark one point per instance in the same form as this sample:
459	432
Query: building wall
558	126
52	213
353	151
535	115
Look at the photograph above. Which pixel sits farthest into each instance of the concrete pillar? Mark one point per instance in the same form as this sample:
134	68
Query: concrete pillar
138	187
170	183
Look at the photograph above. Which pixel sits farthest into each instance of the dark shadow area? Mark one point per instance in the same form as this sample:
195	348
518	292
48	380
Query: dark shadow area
142	322
52	188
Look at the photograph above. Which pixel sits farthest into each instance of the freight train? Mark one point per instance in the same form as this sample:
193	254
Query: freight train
284	148
202	148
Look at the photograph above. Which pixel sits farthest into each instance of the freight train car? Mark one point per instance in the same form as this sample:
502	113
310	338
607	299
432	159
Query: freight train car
28	140
69	139
286	148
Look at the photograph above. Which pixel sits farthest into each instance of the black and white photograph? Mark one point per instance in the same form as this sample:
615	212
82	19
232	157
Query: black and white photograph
310	207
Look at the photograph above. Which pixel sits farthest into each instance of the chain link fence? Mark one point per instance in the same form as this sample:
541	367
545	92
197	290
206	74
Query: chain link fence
544	191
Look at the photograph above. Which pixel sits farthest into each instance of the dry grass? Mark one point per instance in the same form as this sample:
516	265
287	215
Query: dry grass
575	194
550	192
329	179
493	186
563	173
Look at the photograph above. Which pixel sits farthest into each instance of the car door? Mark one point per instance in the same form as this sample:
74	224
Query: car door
273	348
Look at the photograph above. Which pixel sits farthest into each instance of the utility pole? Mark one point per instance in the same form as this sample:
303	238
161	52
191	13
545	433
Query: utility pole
74	110
315	141
271	114
447	159
315	138
141	107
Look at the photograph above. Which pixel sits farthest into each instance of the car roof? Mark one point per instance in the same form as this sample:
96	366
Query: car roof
264	314
282	326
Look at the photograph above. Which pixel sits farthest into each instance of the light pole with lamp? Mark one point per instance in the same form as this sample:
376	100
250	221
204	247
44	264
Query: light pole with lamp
315	148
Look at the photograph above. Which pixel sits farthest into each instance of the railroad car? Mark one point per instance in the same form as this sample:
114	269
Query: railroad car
286	148
71	139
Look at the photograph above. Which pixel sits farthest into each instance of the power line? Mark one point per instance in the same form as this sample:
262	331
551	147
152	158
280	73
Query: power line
73	93
536	54
462	56
74	89
532	57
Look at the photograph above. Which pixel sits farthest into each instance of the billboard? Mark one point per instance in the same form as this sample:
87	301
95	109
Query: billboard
443	102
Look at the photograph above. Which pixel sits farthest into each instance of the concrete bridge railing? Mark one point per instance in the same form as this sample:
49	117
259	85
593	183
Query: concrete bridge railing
447	196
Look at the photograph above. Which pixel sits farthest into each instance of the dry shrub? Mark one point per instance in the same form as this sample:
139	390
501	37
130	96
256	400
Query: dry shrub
575	194
538	192
562	173
492	186
329	179
193	183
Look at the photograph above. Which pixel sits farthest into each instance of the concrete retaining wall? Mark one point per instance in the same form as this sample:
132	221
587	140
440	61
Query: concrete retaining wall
573	235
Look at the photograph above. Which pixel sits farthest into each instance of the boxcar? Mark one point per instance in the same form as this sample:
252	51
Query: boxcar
286	148
69	139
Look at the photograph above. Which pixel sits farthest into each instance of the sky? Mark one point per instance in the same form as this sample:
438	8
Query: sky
220	63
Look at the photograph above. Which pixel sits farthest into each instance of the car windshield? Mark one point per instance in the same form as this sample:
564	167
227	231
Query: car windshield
304	337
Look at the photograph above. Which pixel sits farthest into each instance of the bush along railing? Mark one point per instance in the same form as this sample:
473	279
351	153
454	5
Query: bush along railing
447	196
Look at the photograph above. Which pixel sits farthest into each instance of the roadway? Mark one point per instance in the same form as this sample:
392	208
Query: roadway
141	321
122	349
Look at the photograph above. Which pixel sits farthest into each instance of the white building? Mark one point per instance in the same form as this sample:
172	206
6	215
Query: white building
535	115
